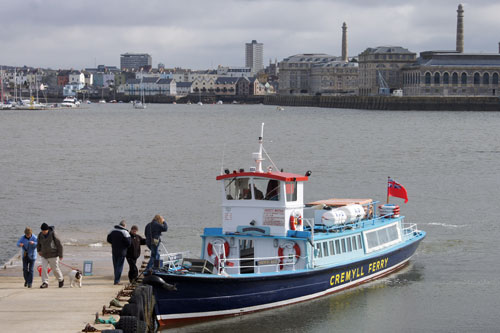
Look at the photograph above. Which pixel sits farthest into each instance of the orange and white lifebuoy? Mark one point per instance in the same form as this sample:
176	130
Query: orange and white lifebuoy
295	221
211	251
293	249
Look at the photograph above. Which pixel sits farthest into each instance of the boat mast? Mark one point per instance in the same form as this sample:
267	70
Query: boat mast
388	179
258	156
15	85
1	82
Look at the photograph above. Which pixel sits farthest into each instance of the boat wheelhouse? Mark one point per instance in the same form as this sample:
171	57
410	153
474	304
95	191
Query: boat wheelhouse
273	250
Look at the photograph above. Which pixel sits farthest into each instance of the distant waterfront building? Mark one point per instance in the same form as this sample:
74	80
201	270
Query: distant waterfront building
256	88
103	80
135	61
319	73
254	56
89	78
384	61
451	73
77	77
184	88
204	84
295	72
63	78
231	86
234	71
334	78
151	86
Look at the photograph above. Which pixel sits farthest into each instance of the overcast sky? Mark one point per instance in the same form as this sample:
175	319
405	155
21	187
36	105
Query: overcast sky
202	34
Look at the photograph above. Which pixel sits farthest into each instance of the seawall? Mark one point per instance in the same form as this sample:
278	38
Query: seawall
389	102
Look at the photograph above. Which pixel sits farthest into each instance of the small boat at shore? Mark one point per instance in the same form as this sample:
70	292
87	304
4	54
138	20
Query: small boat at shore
273	250
70	102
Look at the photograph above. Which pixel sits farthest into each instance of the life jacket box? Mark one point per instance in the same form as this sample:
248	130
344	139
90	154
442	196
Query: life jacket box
198	265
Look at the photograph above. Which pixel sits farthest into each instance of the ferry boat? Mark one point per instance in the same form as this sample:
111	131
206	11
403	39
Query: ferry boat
273	250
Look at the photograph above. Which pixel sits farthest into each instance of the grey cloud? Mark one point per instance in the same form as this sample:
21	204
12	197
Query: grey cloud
202	33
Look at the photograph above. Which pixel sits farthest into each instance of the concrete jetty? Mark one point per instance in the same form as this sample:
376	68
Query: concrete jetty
58	309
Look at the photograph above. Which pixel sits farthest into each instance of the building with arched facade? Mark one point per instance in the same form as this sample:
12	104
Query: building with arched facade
450	73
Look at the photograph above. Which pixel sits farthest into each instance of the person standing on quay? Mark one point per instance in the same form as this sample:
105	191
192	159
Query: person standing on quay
153	233
120	242
50	248
28	244
134	252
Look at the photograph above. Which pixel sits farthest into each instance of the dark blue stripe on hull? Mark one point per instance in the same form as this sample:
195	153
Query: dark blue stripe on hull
195	294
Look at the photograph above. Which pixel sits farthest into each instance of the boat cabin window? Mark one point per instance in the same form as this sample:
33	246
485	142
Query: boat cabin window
238	189
271	188
354	246
291	191
337	247
318	250
382	237
325	248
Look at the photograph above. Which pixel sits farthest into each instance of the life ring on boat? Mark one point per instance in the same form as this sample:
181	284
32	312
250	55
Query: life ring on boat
211	252
295	221
289	246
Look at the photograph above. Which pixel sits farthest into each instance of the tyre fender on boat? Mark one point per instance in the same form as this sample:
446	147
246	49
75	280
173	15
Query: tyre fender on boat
211	251
291	246
295	221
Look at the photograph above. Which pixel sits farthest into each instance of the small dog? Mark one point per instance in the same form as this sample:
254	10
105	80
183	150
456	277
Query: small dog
75	277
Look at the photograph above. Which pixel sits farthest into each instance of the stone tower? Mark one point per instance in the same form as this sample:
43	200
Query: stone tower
460	29
344	42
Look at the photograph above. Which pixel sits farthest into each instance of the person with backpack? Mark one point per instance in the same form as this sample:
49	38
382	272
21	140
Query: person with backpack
50	248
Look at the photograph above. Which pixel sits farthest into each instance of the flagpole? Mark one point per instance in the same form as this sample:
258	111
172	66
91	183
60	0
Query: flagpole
388	189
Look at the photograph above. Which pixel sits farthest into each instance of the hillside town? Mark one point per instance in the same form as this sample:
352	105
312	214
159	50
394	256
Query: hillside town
381	70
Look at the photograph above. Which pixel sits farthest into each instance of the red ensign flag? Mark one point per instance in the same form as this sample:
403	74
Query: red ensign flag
396	190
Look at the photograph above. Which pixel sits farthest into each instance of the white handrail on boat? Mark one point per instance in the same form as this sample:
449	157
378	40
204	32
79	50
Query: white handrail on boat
409	230
276	262
174	259
310	222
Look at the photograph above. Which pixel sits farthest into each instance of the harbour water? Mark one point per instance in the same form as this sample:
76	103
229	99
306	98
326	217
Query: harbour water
84	170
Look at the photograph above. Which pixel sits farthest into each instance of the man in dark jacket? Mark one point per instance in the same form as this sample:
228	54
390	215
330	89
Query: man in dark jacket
133	252
153	233
120	242
50	248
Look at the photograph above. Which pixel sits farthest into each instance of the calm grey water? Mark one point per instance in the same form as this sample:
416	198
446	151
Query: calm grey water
85	170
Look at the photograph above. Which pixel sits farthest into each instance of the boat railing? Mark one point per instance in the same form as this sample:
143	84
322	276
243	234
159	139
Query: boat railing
278	263
172	260
409	230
